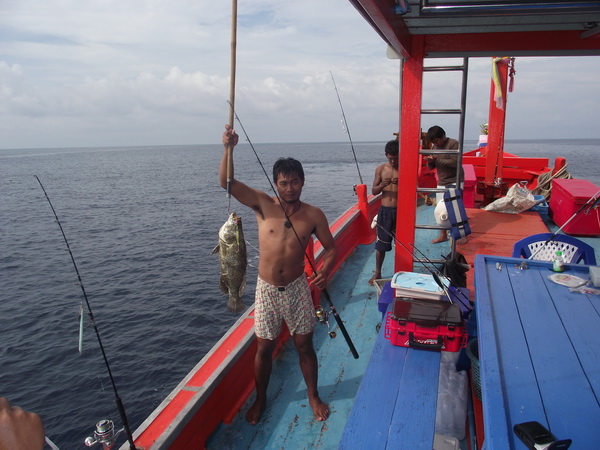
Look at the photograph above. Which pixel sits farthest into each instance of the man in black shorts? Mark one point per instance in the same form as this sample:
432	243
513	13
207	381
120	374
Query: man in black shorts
386	184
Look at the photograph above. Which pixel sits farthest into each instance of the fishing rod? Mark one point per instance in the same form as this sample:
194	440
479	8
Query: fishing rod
345	125
288	221
436	276
118	401
435	272
594	197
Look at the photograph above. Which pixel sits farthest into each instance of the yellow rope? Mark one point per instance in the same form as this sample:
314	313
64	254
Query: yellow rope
546	178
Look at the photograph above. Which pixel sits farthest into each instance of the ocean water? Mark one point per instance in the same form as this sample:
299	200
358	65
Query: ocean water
142	223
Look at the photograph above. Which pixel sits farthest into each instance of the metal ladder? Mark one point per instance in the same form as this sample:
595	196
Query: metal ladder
464	68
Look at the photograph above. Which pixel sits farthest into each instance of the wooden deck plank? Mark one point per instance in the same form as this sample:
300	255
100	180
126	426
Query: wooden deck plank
516	372
495	233
413	423
580	318
541	368
371	397
492	233
560	378
402	415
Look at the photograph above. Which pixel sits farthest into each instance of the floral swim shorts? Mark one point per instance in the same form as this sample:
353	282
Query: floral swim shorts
274	304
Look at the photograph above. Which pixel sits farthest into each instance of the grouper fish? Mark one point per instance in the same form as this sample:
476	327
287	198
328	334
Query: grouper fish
232	255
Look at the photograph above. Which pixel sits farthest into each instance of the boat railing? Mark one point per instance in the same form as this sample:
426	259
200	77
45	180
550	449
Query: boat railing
215	390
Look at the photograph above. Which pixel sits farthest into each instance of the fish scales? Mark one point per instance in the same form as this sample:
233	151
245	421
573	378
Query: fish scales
233	261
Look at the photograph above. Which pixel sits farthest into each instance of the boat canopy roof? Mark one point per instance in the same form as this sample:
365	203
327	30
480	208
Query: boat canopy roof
452	28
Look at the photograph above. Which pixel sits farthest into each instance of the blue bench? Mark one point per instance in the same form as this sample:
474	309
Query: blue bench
396	402
537	352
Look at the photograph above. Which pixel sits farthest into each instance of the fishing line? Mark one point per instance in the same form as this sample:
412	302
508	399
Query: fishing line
118	401
346	129
435	272
312	266
594	197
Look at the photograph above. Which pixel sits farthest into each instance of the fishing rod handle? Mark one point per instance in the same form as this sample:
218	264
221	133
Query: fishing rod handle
340	323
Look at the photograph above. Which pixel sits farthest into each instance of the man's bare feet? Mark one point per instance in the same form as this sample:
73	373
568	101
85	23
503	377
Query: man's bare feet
439	239
373	278
255	412
463	241
320	409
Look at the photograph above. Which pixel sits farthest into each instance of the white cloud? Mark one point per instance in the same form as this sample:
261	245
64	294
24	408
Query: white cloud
115	72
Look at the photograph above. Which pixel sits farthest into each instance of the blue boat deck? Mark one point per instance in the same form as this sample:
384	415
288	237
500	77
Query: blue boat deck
395	406
288	420
545	367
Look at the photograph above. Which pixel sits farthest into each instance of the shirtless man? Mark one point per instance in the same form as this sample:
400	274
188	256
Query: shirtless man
445	166
386	183
282	289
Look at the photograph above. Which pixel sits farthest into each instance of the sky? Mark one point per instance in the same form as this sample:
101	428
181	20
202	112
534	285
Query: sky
156	72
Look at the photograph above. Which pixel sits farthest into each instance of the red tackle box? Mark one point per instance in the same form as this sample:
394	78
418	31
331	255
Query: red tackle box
568	196
426	324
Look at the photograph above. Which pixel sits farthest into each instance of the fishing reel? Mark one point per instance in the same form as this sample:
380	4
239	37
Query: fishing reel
104	434
323	318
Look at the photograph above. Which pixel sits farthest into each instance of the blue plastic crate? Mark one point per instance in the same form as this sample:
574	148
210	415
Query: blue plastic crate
542	206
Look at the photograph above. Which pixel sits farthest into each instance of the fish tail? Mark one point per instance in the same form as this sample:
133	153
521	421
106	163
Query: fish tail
235	305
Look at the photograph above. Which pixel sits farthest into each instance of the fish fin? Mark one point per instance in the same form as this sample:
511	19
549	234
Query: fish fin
216	249
242	287
223	284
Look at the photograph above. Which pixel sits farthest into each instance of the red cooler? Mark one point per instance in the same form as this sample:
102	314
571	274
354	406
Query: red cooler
567	197
426	324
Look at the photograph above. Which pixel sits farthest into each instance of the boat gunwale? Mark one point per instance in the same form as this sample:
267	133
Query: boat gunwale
169	434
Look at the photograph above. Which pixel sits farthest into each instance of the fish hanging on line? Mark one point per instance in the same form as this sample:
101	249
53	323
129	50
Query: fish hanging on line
233	261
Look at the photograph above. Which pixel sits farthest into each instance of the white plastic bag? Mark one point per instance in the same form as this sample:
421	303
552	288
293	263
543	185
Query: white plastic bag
518	199
451	411
441	215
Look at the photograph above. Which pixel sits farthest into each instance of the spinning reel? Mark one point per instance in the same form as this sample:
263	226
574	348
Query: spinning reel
103	434
323	318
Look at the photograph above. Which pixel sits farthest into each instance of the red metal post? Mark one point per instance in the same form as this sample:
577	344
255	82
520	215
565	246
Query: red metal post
410	134
366	232
496	125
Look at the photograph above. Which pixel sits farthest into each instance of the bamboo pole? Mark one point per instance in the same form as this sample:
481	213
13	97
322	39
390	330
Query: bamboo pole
232	91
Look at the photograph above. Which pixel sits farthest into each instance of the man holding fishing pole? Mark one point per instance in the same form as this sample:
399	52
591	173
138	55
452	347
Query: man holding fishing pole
285	227
386	184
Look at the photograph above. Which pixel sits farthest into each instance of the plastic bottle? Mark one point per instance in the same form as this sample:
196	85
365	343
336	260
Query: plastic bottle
558	265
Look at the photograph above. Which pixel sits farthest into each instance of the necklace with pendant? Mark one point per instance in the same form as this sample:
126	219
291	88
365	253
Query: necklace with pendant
287	222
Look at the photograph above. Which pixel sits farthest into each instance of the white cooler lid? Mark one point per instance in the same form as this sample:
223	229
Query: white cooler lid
417	281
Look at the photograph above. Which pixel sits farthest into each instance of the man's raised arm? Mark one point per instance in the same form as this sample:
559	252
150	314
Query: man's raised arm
243	193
